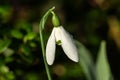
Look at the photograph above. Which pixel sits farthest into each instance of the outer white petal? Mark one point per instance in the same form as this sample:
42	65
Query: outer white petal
68	45
50	49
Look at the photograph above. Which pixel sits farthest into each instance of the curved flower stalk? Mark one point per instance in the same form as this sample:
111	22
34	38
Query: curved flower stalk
41	27
61	37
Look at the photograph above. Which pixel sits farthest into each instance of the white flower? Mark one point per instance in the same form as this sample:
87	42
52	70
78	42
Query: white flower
61	37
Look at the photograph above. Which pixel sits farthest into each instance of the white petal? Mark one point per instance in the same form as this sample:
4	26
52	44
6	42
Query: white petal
50	49
57	34
68	45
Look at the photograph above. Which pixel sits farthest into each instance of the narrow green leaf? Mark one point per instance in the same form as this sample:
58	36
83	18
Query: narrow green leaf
85	61
102	65
4	45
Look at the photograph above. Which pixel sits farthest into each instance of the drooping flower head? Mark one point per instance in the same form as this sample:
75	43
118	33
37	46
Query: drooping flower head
61	37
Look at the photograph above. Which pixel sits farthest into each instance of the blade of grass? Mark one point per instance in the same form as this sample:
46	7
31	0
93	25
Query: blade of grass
102	65
85	61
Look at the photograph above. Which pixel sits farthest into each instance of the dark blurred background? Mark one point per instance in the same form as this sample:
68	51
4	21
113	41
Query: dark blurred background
89	21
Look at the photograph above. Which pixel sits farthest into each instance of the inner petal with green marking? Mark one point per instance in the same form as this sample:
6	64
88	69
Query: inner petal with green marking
58	42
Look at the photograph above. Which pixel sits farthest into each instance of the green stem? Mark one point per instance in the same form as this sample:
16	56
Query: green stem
44	58
41	27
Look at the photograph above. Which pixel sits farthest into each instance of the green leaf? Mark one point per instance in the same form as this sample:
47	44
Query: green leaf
7	74
17	34
26	50
8	52
32	76
4	69
32	44
29	36
4	45
85	61
5	12
24	25
102	65
26	56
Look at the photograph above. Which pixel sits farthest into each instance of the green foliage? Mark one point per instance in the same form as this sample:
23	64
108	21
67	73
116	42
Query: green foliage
102	66
4	45
29	36
17	44
86	61
5	73
32	76
100	71
16	34
5	13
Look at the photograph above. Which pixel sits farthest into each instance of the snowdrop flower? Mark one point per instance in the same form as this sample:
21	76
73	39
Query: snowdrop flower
61	37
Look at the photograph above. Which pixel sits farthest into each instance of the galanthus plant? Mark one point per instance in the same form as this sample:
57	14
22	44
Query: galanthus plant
61	37
58	36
